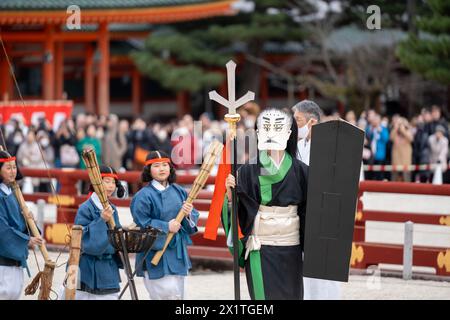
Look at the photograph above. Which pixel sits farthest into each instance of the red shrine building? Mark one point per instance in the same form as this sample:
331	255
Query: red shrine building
55	60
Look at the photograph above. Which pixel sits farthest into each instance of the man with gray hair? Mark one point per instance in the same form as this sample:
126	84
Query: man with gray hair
307	114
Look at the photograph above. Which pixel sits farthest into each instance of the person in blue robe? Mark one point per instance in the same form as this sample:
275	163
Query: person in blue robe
14	239
99	262
156	205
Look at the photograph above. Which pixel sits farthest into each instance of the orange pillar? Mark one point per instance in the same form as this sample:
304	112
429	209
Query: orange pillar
103	75
6	83
89	80
5	78
183	103
136	98
48	74
59	69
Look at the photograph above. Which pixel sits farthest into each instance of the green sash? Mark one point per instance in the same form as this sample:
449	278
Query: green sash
271	174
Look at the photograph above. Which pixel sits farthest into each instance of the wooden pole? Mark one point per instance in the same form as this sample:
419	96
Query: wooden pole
29	219
46	276
90	159
74	260
232	120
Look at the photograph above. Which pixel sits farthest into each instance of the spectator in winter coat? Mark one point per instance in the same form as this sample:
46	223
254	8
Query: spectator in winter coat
378	136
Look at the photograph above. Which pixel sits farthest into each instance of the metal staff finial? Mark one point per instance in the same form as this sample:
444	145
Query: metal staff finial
231	104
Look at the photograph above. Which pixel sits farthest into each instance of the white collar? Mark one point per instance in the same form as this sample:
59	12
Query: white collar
97	202
304	149
275	164
159	186
5	189
304	141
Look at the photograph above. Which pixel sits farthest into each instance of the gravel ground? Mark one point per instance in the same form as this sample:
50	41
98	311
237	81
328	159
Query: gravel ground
204	277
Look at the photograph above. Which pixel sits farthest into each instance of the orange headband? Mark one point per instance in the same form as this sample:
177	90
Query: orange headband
149	162
110	175
8	159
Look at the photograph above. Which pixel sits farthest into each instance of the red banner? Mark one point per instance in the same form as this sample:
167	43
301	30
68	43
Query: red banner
55	111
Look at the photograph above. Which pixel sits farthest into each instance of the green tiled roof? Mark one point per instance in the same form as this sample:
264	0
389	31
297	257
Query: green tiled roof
13	5
347	38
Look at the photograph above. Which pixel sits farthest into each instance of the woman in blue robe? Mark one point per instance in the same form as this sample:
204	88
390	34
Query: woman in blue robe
99	262
14	239
156	205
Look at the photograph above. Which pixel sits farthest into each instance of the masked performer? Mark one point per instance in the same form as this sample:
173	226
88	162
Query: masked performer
14	239
157	205
271	210
99	263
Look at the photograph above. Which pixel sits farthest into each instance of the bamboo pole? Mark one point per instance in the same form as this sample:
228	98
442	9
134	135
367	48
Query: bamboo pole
29	218
205	170
90	159
46	276
74	260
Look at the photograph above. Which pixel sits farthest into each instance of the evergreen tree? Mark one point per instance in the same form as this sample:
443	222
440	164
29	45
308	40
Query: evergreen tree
179	62
190	56
428	53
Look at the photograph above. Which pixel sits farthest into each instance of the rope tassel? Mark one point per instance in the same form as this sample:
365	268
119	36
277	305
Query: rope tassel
44	278
33	286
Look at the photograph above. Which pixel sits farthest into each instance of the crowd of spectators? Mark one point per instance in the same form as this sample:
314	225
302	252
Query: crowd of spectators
123	144
424	139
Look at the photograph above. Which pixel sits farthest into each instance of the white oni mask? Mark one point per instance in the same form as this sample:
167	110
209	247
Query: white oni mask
274	129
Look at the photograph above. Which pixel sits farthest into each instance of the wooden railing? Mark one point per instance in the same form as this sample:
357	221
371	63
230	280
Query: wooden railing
364	253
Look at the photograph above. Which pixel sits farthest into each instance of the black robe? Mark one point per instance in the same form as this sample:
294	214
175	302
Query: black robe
281	266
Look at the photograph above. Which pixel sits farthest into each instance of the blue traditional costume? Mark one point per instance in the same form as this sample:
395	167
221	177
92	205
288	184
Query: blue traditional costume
14	240
155	205
99	262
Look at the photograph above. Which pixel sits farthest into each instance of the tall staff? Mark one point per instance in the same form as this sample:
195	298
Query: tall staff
232	118
45	278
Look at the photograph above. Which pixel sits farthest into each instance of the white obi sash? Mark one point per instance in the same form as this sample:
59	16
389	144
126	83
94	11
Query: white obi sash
274	226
